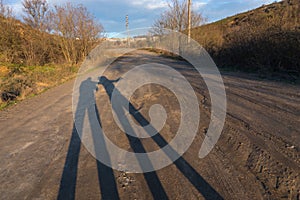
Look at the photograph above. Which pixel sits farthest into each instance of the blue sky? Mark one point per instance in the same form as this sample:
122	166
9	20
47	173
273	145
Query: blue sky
142	13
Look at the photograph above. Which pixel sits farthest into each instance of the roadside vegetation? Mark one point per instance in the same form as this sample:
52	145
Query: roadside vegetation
176	18
264	41
44	49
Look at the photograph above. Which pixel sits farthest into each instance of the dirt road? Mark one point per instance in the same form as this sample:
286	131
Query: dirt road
257	156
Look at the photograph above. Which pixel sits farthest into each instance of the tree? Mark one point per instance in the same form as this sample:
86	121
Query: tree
35	13
9	39
5	11
77	30
176	18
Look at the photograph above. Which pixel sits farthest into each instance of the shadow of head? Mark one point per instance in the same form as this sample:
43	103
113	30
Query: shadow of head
103	80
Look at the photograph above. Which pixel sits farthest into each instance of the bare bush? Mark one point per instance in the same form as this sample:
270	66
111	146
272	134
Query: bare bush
265	41
77	30
176	18
35	13
5	11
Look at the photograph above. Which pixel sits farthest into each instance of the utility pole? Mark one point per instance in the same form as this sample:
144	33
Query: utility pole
189	20
127	30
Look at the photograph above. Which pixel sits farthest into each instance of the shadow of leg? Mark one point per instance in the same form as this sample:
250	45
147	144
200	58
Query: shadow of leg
106	176
152	179
68	180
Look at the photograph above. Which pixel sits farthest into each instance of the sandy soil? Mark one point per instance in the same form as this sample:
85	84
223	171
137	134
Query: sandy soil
257	156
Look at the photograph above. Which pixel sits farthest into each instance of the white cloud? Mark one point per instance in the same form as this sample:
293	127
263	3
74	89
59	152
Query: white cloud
115	35
197	5
149	4
141	20
156	6
108	21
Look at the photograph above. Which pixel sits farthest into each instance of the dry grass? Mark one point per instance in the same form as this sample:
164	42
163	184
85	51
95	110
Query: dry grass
265	40
18	82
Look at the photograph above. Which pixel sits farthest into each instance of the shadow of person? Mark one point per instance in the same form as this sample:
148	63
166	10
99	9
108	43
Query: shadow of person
108	84
106	178
182	165
151	178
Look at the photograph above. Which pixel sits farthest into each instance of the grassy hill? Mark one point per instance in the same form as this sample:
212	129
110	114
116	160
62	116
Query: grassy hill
30	61
264	40
21	44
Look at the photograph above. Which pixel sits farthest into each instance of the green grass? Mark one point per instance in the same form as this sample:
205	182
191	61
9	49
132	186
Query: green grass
33	80
7	104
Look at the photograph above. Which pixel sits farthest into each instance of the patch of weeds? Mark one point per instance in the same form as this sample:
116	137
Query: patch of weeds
7	104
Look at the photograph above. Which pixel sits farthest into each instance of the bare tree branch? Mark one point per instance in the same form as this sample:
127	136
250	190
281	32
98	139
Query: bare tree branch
176	18
5	10
35	13
77	29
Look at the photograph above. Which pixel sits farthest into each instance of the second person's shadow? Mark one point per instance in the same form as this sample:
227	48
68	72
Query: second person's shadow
152	179
106	178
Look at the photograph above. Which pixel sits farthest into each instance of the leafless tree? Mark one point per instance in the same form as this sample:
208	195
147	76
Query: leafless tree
176	18
77	30
35	13
8	37
5	10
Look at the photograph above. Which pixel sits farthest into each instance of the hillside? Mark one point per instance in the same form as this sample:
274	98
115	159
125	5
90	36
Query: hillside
30	61
21	44
264	40
45	48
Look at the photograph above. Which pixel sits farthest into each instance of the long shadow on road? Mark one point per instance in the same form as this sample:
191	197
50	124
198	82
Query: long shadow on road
151	178
106	178
182	165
